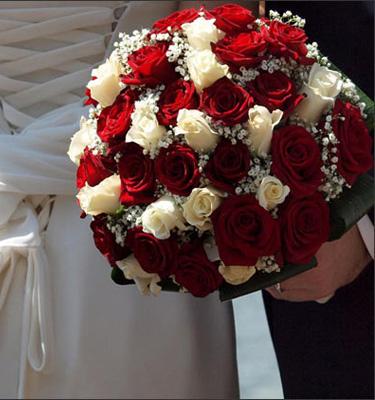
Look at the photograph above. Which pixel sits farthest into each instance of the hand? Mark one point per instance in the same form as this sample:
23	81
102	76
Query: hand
339	263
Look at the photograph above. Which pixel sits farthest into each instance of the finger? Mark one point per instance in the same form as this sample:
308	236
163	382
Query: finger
325	299
287	295
274	293
303	281
297	295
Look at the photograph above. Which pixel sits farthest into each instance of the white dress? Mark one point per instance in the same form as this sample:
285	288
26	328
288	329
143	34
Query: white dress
66	331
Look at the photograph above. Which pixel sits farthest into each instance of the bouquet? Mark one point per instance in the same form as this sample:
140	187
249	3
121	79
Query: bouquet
220	152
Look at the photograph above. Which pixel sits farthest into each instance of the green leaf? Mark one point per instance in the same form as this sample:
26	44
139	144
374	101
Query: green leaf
169	286
351	206
227	292
262	280
118	277
369	110
120	211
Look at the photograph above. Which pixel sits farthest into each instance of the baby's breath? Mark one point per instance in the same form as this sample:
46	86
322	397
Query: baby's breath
260	168
245	75
287	18
177	53
267	264
125	219
333	183
128	44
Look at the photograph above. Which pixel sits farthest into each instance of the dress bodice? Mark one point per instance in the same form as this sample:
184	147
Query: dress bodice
47	52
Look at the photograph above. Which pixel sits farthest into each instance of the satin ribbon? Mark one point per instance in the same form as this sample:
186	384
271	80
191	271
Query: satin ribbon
21	237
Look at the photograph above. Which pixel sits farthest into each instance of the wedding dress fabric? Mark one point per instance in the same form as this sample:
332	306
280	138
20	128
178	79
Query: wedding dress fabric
65	329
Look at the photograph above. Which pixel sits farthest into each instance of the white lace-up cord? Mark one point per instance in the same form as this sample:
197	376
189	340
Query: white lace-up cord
54	75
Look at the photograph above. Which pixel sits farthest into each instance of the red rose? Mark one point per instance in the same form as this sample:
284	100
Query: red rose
114	121
355	143
305	227
265	20
296	160
137	176
243	50
175	20
178	95
287	41
92	169
177	169
150	66
195	272
154	255
105	241
232	18
228	164
226	102
244	231
89	99
274	91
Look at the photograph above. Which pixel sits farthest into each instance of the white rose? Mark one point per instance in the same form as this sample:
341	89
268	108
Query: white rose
161	217
236	274
197	131
321	90
145	281
204	68
260	127
84	137
199	206
202	32
107	85
102	198
145	129
271	192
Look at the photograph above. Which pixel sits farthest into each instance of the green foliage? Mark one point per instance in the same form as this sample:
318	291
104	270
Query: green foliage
351	206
